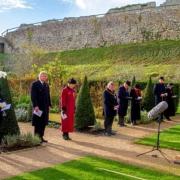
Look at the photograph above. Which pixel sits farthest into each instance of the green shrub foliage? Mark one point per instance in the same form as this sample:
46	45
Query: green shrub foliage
85	115
8	124
148	99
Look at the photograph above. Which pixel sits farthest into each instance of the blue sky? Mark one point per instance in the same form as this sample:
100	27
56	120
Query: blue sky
16	12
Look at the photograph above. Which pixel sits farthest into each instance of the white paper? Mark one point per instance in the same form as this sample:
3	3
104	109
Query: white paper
38	113
2	104
63	116
6	107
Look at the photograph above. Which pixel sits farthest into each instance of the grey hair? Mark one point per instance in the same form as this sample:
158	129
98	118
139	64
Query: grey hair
42	72
109	84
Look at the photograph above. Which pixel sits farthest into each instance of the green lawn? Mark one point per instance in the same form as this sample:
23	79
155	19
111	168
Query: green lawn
169	138
96	169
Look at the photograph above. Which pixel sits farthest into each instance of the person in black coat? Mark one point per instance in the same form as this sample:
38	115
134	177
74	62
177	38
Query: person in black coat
160	92
123	96
40	97
170	100
135	104
110	106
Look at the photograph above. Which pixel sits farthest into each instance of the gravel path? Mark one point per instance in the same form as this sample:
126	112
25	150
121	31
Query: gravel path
119	147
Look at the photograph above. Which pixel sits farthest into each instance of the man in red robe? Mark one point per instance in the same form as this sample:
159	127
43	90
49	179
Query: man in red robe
67	103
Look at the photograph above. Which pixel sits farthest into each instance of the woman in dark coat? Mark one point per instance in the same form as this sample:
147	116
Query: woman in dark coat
170	100
135	104
110	106
123	96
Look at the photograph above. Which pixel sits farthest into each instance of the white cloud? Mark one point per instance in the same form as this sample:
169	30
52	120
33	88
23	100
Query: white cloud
13	4
98	6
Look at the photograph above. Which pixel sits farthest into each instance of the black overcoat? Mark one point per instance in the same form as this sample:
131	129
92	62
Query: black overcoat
135	105
123	96
171	104
109	101
158	90
40	96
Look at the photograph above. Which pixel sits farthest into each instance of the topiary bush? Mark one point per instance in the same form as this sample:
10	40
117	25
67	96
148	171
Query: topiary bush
148	99
9	124
84	116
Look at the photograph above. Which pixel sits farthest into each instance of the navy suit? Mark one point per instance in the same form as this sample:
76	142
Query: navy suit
123	96
109	102
40	96
158	90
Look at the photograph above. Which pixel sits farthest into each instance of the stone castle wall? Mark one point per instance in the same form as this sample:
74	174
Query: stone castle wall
123	26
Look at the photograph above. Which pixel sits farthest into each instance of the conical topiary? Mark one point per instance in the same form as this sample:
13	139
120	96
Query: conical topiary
84	115
8	124
30	114
148	99
133	81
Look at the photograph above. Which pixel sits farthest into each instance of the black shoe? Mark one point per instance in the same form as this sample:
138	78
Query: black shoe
113	133
122	125
69	138
43	140
107	134
65	137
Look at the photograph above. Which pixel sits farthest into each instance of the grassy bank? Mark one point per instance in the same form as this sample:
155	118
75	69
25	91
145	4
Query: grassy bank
121	62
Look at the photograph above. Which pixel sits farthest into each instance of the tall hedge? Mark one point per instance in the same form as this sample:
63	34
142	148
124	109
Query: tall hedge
8	124
148	99
84	115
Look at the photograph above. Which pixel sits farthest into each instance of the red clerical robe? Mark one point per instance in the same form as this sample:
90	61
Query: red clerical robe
68	106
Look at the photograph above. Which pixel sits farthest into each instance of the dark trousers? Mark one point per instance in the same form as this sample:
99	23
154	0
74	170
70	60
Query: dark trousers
121	120
108	123
39	130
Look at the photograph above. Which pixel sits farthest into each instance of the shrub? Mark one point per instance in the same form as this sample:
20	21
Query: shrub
21	115
133	81
19	141
148	99
84	115
144	118
9	123
29	112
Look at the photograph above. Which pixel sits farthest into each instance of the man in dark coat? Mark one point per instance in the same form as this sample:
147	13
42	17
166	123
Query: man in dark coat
170	100
110	106
135	104
160	92
123	96
40	97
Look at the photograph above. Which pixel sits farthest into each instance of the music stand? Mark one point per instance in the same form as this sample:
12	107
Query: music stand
157	146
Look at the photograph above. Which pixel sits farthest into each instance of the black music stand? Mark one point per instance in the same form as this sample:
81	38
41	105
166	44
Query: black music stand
157	146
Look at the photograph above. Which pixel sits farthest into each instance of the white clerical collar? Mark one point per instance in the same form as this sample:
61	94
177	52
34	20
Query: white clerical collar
42	82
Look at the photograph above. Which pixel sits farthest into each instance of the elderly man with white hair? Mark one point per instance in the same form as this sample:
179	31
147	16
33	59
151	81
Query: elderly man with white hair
110	106
40	97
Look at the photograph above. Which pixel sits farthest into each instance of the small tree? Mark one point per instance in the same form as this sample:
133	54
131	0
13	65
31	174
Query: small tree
8	125
148	100
84	116
133	81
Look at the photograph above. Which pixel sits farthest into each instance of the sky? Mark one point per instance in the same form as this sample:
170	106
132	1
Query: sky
16	12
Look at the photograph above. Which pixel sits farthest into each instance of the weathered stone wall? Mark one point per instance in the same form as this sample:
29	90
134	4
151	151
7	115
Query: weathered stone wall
113	28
